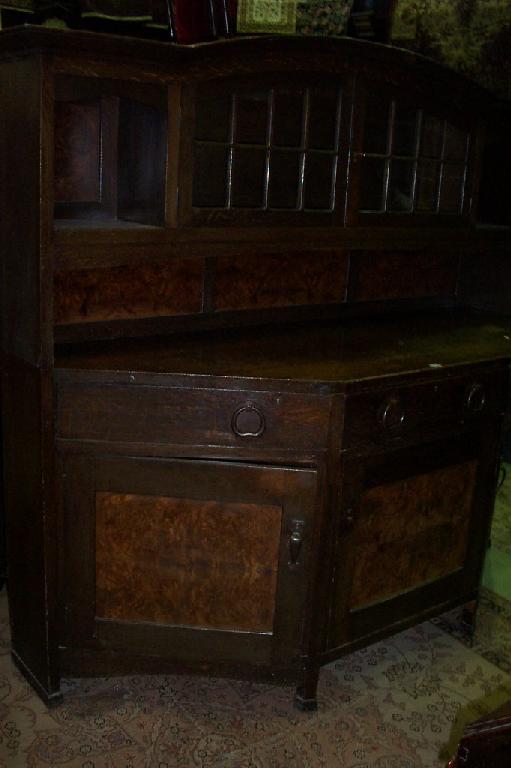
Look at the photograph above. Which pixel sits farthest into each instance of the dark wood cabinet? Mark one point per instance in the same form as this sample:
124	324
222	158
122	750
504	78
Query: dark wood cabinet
199	562
251	421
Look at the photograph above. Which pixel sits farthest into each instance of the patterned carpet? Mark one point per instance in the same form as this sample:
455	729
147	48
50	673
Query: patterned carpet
397	704
492	638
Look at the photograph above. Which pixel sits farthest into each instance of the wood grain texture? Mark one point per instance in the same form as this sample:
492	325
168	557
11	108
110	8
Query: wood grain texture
186	562
322	352
487	289
412	531
399	275
77	151
147	290
188	416
424	408
279	280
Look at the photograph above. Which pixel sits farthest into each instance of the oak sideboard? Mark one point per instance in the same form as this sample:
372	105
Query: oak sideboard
251	416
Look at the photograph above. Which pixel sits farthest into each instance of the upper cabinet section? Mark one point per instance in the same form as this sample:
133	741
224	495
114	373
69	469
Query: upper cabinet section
325	150
284	132
342	133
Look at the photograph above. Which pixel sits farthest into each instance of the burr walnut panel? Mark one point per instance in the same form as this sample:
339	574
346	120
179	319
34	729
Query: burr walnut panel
275	281
411	531
186	562
378	276
121	293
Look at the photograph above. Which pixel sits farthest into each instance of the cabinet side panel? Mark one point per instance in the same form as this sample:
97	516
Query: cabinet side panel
29	512
25	223
25	205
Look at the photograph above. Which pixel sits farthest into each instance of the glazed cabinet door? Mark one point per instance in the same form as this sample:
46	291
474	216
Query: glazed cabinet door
189	560
413	533
413	159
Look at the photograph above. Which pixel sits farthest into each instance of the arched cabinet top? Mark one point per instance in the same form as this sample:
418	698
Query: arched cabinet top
243	55
275	131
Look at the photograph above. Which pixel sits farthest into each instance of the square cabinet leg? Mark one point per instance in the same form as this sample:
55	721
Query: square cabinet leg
306	694
469	617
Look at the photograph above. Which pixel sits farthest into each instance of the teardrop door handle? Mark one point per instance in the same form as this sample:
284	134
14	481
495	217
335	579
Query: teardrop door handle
295	542
475	398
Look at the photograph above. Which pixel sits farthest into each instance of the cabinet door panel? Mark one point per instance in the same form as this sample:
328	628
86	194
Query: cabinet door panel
415	526
186	558
187	562
414	529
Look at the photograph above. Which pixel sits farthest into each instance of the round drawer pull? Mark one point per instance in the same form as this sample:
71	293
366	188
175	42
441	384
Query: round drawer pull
475	399
391	414
248	421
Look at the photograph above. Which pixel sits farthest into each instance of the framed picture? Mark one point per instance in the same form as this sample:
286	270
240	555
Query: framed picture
267	16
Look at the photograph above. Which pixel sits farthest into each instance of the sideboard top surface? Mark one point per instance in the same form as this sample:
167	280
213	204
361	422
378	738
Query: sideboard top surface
326	354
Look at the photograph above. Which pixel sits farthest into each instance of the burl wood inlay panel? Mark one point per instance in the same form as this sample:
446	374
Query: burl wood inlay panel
295	279
377	276
119	293
411	532
186	562
77	151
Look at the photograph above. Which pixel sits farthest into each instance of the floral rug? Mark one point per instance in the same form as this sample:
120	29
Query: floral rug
400	703
492	636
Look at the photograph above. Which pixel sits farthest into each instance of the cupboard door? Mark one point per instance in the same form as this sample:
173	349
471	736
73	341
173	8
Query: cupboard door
414	531
267	149
412	161
187	559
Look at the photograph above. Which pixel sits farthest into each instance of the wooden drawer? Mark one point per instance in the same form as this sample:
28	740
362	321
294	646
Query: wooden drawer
149	414
411	412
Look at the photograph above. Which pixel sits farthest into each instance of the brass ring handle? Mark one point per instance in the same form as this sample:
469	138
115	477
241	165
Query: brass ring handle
475	400
248	421
391	414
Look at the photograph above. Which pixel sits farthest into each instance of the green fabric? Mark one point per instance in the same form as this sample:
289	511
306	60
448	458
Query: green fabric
322	17
123	10
17	5
470	36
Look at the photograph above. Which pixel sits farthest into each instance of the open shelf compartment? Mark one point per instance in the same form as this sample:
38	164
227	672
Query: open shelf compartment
110	153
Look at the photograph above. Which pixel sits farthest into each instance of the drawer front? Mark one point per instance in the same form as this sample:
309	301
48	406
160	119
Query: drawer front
408	413
139	413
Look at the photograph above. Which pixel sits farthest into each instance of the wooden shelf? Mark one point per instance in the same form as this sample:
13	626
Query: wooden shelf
101	224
